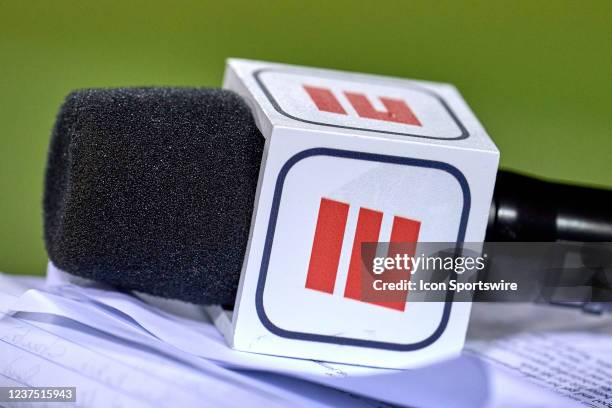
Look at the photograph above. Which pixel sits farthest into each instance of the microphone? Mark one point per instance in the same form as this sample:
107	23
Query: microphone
152	189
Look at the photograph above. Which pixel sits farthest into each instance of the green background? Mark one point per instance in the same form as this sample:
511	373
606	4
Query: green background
537	74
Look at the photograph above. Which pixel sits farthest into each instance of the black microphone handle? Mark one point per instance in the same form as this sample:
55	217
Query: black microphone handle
530	209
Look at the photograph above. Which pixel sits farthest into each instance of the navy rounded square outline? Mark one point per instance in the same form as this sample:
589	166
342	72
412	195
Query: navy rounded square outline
278	190
464	133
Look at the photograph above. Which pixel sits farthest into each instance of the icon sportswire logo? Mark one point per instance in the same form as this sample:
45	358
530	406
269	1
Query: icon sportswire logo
327	249
396	109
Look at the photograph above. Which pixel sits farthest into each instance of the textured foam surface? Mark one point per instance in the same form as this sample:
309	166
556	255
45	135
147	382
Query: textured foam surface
152	189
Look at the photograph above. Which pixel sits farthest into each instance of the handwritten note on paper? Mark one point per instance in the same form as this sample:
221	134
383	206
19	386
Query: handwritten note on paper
554	362
110	361
31	356
556	348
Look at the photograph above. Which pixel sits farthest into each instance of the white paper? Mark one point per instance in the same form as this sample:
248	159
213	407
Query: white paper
467	381
493	371
43	349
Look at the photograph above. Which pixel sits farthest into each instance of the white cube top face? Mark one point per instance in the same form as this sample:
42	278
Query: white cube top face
351	159
407	110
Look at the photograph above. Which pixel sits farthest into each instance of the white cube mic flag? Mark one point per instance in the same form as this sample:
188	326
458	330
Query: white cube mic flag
263	195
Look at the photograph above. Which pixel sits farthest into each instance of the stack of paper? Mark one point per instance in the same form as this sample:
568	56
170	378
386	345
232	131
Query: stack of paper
119	350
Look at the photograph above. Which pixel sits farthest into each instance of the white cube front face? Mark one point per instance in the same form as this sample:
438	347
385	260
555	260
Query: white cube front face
394	108
330	189
353	159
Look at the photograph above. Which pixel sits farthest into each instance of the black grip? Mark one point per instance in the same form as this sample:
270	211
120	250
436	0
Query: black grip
530	209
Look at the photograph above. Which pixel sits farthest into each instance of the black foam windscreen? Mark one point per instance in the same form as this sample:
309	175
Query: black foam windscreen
152	189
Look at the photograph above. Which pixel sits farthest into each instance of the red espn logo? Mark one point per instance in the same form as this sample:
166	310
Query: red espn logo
397	110
327	248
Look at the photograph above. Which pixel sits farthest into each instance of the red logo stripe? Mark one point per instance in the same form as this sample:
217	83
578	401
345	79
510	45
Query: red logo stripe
404	237
368	230
397	110
327	245
324	99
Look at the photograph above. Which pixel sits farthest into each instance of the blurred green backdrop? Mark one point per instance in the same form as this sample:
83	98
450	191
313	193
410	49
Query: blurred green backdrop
537	74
